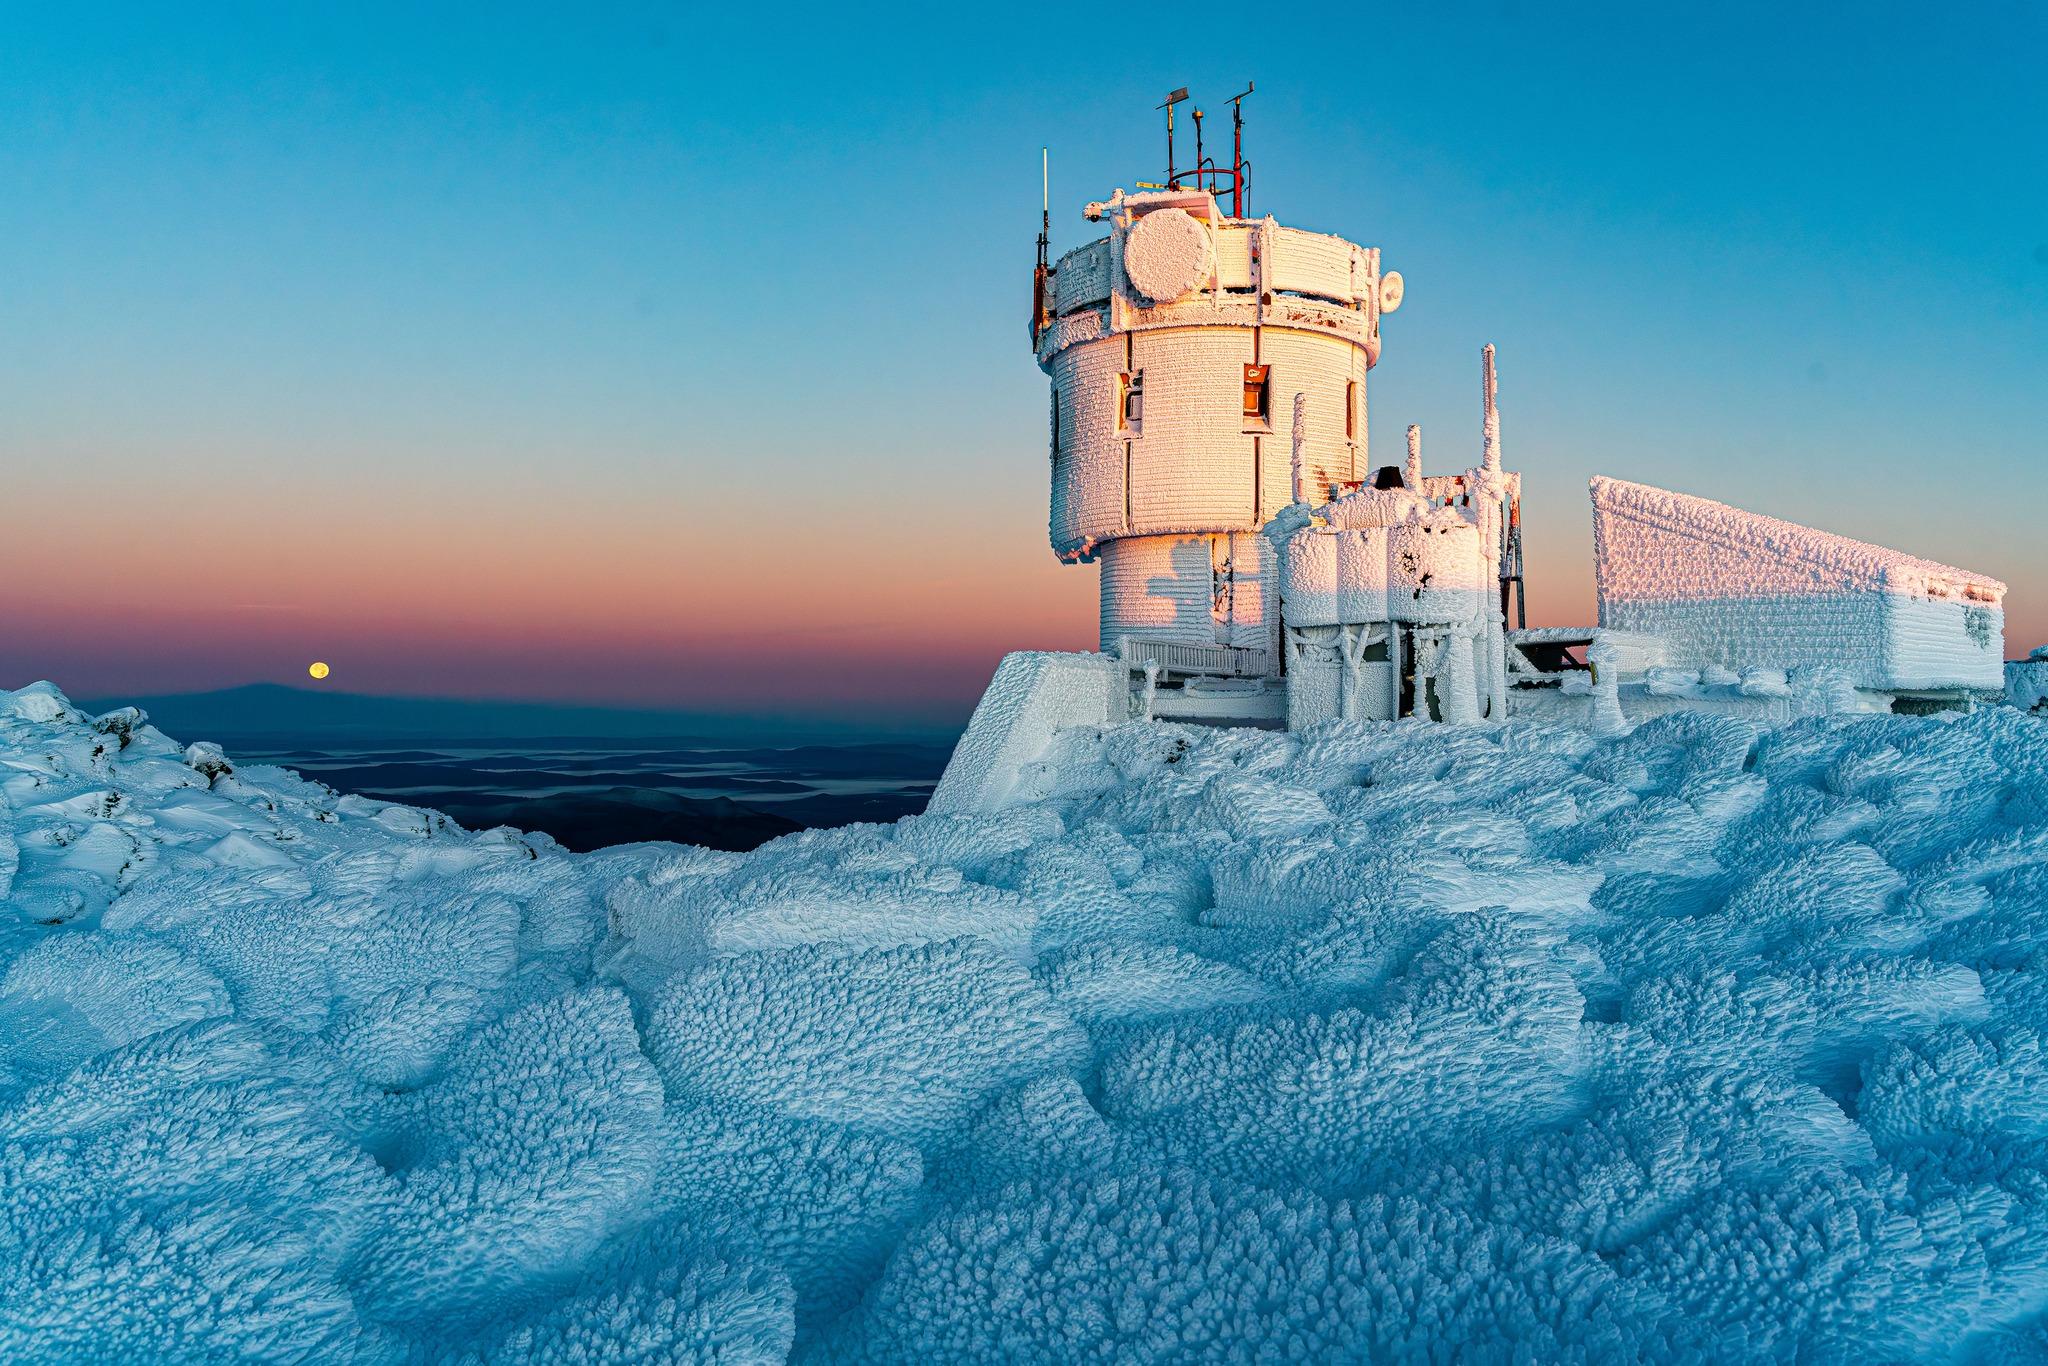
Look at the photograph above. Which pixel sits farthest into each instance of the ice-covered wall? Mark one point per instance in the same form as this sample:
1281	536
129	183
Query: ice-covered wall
1193	590
1733	589
1389	596
1158	588
1032	696
1429	570
1319	368
1181	299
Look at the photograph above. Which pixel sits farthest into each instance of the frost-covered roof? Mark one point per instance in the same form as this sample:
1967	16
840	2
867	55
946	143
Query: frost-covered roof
1370	1042
1703	518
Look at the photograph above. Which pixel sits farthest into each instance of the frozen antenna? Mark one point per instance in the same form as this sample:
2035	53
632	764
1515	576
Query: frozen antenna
1489	411
1041	313
1171	100
1240	169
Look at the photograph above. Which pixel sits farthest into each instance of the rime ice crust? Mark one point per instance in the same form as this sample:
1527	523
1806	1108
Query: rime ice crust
1032	696
2026	683
1732	589
1706	1041
1167	254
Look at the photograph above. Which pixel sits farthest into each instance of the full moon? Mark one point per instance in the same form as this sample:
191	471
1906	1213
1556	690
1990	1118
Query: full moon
317	669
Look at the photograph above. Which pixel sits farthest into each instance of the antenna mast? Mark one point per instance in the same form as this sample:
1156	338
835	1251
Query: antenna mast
1240	190
1038	309
1171	100
1512	582
1207	175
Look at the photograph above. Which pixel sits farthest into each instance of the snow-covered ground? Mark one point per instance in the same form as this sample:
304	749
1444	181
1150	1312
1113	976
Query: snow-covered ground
1393	1041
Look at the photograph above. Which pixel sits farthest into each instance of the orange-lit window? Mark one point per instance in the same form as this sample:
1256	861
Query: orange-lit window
1130	411
1258	394
1351	411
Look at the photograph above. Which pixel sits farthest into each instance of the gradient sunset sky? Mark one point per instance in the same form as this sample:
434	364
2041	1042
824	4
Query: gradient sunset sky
675	356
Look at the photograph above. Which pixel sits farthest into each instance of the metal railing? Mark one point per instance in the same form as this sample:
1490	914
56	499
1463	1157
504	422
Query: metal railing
1228	661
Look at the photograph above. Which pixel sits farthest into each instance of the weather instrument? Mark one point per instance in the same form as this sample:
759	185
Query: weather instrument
1391	287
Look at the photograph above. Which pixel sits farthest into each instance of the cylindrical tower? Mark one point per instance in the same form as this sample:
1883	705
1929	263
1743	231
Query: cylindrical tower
1197	362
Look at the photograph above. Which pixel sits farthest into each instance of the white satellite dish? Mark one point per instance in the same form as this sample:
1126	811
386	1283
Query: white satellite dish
1390	291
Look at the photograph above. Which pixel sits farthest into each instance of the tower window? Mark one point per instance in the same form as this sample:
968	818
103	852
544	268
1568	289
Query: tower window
1258	396
1130	412
1351	411
1055	427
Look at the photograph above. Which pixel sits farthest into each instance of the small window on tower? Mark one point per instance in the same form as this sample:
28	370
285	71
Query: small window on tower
1351	411
1258	394
1055	427
1130	413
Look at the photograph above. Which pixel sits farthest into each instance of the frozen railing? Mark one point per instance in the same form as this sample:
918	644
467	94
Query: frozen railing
1540	656
1228	661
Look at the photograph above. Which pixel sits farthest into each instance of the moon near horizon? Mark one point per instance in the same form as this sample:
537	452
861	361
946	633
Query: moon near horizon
317	669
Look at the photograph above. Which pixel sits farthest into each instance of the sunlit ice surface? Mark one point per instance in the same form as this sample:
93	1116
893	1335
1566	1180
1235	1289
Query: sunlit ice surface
1370	1041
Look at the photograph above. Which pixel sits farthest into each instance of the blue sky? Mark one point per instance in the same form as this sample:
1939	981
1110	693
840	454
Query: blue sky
516	307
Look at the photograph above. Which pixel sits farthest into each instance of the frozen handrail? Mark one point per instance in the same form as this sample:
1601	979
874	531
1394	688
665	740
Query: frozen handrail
1228	661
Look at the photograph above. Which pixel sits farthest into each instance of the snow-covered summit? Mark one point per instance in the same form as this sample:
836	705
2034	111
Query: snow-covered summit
1702	1042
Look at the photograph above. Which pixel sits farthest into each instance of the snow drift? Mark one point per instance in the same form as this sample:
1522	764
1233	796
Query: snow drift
1398	1042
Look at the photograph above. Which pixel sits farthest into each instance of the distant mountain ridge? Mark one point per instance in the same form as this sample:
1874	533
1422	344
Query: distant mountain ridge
589	776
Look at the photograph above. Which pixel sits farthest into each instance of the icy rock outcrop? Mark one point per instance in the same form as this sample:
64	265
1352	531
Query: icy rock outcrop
1706	1041
2026	683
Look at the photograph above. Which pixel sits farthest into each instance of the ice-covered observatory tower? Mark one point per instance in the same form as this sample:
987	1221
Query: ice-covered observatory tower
1203	365
1208	449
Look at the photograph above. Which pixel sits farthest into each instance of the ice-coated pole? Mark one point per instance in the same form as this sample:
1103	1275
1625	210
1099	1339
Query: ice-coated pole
1415	457
1492	457
1300	440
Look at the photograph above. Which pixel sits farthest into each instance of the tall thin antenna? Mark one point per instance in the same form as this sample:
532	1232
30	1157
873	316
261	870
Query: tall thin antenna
1040	314
1490	456
1240	169
1173	98
1513	586
1296	448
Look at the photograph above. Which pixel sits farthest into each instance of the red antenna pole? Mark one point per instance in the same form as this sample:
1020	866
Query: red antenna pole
1240	196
